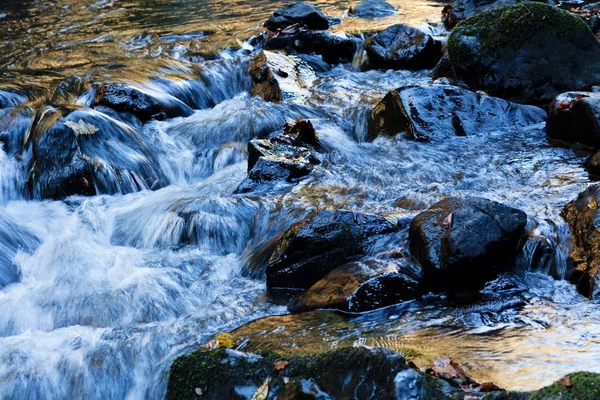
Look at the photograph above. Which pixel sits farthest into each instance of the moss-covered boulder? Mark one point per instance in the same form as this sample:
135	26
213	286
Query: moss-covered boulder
350	373
576	386
529	52
461	9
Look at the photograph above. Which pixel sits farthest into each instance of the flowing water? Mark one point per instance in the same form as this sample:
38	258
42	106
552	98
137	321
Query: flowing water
100	294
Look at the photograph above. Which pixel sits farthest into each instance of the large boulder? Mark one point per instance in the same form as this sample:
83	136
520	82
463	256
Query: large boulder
84	152
369	9
461	9
301	13
441	111
334	48
403	47
362	286
277	77
348	373
143	105
316	245
526	53
462	243
574	117
582	217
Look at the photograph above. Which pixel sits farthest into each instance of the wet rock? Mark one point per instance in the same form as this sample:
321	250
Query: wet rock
462	243
574	117
143	105
283	157
301	13
526	53
592	164
276	77
315	246
334	48
370	9
440	111
403	47
350	373
362	286
582	217
68	163
462	9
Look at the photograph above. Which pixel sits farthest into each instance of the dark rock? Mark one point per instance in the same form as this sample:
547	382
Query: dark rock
592	164
315	246
403	47
277	77
574	117
144	106
333	48
582	217
362	286
462	243
67	163
373	9
349	373
461	9
441	111
301	13
526	53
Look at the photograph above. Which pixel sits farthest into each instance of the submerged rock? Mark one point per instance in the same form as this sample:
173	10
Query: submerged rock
403	47
128	99
369	9
315	246
362	286
463	243
301	13
439	111
526	53
69	161
574	117
582	217
332	47
276	77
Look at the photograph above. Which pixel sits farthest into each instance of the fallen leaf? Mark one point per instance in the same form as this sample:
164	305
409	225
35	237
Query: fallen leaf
447	222
488	387
222	340
592	204
279	365
566	382
82	127
263	391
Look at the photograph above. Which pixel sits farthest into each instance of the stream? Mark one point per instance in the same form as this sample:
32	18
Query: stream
100	294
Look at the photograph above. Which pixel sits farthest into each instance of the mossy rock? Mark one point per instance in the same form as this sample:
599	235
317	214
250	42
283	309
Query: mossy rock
576	386
349	373
528	52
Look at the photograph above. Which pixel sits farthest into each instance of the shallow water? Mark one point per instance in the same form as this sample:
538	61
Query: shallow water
106	291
